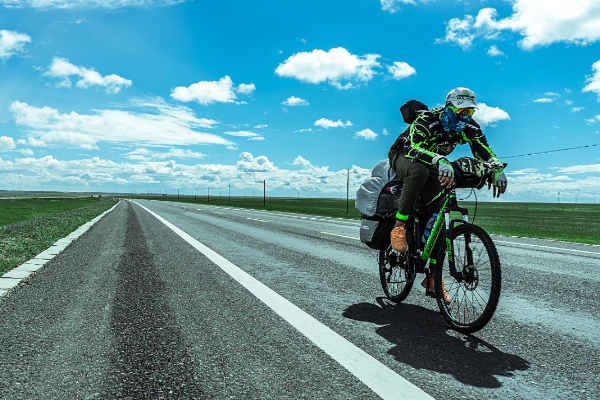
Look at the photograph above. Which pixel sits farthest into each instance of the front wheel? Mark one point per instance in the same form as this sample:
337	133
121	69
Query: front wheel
475	291
397	274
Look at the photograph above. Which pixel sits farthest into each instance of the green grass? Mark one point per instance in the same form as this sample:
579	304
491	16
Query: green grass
15	210
569	222
22	240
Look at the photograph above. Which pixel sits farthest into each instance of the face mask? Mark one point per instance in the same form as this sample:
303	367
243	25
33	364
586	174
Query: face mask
452	122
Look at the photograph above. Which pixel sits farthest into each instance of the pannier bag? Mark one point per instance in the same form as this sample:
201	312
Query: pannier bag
377	199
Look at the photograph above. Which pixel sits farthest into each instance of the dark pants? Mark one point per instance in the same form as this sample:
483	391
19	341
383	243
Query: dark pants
418	179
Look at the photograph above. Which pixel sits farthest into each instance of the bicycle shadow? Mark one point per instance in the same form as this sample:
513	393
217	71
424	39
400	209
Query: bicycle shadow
423	340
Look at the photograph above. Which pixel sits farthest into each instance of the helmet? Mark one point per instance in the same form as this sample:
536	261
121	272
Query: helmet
461	98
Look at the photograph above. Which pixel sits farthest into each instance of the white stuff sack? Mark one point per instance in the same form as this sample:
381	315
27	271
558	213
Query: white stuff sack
367	195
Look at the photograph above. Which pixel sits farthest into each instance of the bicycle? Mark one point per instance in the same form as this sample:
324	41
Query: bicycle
468	264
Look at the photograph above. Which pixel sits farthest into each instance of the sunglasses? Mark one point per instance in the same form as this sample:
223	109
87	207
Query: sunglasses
463	111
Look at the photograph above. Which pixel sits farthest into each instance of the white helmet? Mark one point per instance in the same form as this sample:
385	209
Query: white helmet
461	98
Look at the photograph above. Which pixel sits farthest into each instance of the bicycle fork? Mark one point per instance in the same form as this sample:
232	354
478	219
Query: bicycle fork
444	221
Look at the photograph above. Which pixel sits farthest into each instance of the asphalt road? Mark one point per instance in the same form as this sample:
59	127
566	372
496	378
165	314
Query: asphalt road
130	310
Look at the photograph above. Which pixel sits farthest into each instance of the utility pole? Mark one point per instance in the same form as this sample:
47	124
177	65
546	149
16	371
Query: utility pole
196	194
208	195
348	192
559	197
264	192
177	194
229	198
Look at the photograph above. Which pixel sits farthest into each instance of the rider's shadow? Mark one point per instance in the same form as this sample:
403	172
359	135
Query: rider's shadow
423	341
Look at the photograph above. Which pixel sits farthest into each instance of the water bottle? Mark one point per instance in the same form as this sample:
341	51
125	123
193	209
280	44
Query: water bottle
429	228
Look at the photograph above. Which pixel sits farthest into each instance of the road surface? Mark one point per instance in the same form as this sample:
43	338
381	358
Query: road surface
222	303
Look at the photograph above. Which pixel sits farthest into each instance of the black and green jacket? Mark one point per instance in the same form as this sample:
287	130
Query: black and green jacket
425	139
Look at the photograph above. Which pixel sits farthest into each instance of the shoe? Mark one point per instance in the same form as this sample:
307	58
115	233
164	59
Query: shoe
432	287
398	239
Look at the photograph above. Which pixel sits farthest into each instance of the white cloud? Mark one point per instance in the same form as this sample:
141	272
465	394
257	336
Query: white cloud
244	88
260	126
594	80
327	123
394	5
26	152
249	163
489	116
593	120
495	51
539	22
543	100
12	43
385	132
366	134
246	134
577	109
302	161
145	154
294	101
209	92
86	4
580	169
168	125
304	130
401	70
62	68
31	141
331	66
551	94
568	102
6	143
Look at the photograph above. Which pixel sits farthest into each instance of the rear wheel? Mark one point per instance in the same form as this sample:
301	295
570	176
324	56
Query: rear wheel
396	273
475	291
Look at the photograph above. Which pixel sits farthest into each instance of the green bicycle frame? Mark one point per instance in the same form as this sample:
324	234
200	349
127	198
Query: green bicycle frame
450	204
437	228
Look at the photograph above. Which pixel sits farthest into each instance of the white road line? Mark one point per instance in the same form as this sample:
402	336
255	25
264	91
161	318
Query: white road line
254	219
335	234
547	247
379	378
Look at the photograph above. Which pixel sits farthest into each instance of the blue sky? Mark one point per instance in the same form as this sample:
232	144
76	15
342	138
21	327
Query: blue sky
101	95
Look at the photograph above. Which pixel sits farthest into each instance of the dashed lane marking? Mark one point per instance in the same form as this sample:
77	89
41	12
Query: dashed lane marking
344	236
547	247
260	220
378	377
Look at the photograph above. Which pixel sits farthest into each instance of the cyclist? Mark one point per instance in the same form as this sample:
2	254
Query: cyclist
418	157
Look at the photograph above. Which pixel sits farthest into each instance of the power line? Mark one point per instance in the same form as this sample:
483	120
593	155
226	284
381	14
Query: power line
551	151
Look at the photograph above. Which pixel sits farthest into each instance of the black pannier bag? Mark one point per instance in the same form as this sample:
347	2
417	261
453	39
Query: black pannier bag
377	199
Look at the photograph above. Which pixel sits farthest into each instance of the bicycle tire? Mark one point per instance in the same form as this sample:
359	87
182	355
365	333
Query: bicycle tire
397	275
474	299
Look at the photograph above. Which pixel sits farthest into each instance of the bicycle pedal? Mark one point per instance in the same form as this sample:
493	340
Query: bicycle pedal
430	293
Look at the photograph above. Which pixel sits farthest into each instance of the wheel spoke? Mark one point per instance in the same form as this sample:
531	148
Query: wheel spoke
472	300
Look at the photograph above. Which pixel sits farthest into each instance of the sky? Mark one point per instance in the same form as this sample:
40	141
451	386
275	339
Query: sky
160	96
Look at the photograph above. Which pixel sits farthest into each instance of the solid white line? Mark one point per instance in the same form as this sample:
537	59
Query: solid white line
379	378
548	247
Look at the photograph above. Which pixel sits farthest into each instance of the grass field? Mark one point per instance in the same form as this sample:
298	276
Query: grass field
15	210
22	240
569	222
